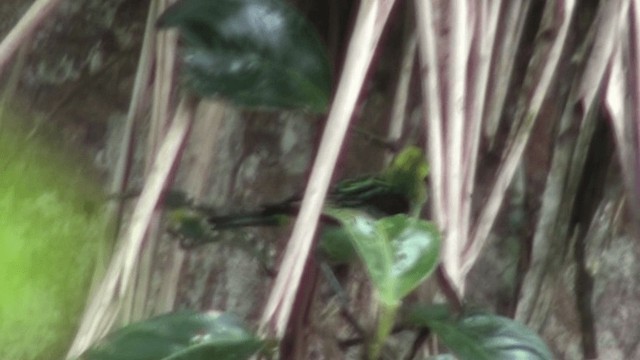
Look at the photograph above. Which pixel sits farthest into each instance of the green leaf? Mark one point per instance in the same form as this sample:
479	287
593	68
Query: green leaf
481	336
399	252
256	53
335	245
416	249
183	335
371	245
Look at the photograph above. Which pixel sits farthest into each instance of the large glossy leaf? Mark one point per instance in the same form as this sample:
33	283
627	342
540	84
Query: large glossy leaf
257	53
371	244
178	336
399	252
481	336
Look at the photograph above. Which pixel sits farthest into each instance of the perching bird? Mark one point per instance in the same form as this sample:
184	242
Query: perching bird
398	189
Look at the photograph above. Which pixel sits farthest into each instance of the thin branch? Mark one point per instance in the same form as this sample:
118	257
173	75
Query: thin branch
455	92
431	104
23	30
104	306
634	124
512	18
167	42
624	118
569	156
372	16
118	184
139	96
161	109
479	68
614	102
399	109
558	15
200	158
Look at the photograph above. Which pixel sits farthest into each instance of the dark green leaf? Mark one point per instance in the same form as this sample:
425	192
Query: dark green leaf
178	336
481	336
335	245
422	315
257	53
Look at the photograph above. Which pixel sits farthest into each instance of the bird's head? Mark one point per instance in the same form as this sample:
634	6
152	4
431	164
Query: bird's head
407	173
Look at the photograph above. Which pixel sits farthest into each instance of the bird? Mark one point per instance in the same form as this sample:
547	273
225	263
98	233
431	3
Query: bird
398	189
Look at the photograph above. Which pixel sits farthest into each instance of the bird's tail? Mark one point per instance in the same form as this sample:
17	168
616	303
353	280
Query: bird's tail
259	218
194	228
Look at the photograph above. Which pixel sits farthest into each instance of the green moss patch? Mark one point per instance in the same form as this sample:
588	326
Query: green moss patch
51	227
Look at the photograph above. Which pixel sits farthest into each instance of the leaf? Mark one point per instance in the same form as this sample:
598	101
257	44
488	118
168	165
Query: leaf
335	245
416	249
185	335
480	336
442	357
374	249
399	252
256	53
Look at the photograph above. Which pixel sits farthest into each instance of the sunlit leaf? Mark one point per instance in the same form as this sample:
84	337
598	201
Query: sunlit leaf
416	249
399	252
178	336
370	243
481	336
257	53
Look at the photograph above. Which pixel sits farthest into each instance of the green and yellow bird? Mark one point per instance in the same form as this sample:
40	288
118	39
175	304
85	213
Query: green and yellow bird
399	189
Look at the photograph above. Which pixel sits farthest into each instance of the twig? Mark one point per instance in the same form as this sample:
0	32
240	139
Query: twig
559	21
138	98
480	56
104	306
371	18
161	109
23	30
431	104
513	17
401	97
576	128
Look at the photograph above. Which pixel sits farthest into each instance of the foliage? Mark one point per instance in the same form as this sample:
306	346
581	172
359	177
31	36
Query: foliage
184	335
263	54
398	252
50	231
257	53
479	336
400	188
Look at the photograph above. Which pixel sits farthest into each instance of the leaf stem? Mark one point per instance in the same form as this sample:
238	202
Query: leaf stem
386	319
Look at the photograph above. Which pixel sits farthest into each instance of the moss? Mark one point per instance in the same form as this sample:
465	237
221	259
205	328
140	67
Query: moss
51	225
